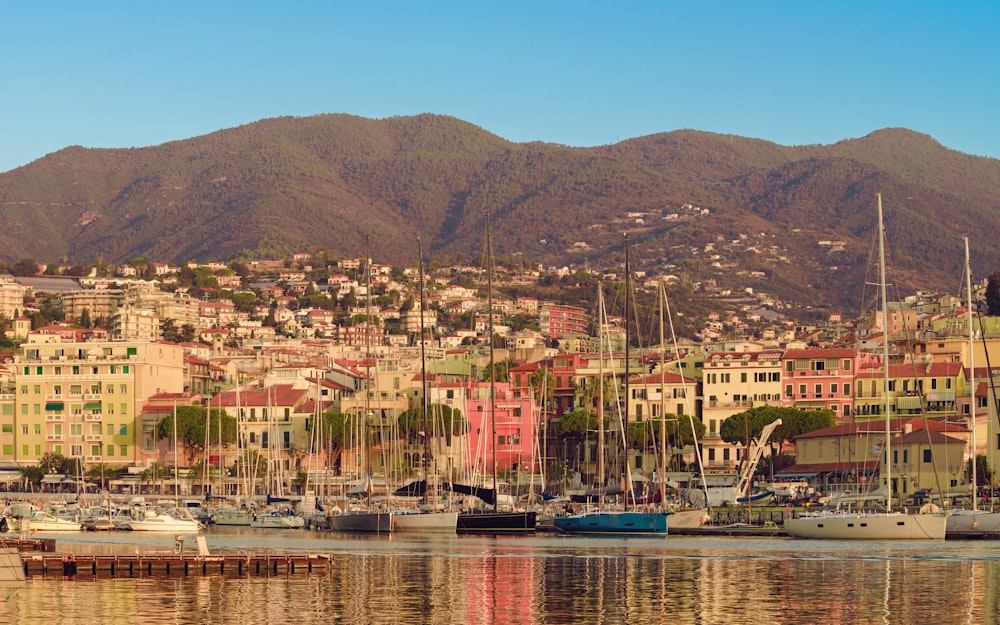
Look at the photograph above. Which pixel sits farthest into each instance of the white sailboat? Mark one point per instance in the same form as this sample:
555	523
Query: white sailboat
427	518
888	525
972	521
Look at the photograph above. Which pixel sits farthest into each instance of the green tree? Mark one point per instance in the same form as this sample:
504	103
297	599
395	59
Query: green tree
32	476
191	428
52	462
993	294
25	267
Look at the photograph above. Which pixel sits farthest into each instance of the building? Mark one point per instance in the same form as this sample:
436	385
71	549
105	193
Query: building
82	400
558	321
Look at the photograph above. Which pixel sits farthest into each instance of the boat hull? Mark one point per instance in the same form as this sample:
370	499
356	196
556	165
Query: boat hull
891	526
231	517
165	523
277	521
496	523
974	521
612	523
362	522
444	522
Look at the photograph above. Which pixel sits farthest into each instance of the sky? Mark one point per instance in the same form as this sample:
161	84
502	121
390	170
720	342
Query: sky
116	74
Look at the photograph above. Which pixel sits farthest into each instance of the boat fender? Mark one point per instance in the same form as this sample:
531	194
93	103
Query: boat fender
929	508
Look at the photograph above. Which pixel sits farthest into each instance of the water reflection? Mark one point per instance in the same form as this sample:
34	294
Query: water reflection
543	580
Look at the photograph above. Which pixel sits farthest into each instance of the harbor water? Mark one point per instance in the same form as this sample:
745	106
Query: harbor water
543	579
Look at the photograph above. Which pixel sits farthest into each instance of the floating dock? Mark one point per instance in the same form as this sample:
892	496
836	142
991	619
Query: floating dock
176	565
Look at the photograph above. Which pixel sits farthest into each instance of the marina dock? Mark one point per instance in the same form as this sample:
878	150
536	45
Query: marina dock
179	565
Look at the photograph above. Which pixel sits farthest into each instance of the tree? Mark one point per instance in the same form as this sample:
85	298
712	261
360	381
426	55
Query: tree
794	421
32	476
52	462
442	418
25	267
993	294
191	428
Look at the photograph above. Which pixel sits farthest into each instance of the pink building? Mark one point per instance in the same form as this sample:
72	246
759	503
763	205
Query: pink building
824	379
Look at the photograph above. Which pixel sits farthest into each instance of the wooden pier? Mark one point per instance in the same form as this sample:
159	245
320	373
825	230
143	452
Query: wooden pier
175	565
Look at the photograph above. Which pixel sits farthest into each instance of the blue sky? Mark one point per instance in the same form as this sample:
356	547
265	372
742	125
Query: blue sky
130	74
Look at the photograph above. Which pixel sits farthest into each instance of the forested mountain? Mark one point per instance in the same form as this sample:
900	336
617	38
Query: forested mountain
354	186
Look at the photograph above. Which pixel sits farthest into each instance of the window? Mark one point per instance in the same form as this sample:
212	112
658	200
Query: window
95	450
743	376
38	428
834	388
802	389
123	450
818	389
8	428
123	409
818	365
111	450
846	365
927	455
790	366
111	429
788	390
933	384
847	389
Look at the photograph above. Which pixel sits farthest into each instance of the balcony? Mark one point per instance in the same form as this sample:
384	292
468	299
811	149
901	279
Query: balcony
55	437
58	418
89	396
93	438
93	417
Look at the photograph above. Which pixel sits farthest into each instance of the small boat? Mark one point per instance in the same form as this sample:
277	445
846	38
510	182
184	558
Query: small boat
45	522
362	522
614	523
232	516
165	522
415	520
276	519
497	522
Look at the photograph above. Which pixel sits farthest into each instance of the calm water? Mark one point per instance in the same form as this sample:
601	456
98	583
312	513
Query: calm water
538	580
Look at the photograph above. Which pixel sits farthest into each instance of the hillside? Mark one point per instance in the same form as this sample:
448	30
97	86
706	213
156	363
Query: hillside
334	182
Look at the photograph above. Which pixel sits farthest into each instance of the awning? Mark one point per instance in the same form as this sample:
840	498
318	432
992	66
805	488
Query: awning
909	402
55	478
54	405
92	405
941	396
796	476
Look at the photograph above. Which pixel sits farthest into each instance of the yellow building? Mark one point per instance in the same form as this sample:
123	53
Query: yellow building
83	400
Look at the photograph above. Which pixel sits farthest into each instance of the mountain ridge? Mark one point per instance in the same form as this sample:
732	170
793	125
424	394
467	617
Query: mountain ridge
359	186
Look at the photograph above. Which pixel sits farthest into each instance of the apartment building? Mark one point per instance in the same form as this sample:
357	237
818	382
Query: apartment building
83	400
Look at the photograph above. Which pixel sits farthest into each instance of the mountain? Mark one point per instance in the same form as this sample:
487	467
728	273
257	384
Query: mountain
734	211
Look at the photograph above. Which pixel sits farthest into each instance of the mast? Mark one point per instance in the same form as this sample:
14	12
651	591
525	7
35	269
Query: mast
601	449
177	473
627	473
663	400
493	373
972	379
423	375
885	356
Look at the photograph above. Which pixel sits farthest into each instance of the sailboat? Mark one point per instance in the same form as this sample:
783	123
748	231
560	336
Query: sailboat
179	518
427	518
365	519
629	521
886	525
495	520
973	521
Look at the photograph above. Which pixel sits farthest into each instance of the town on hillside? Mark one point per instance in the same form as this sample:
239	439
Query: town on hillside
153	376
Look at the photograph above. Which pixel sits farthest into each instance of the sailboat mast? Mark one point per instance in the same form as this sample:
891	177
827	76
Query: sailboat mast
628	287
972	379
493	373
601	449
423	373
885	356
